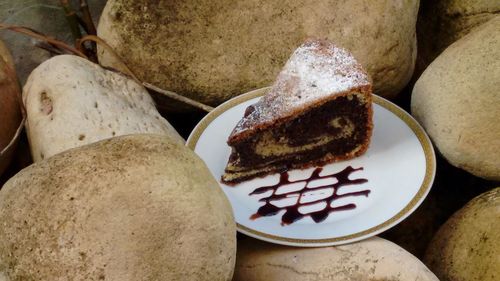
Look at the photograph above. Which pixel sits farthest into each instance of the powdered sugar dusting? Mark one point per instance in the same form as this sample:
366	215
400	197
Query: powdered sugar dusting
316	71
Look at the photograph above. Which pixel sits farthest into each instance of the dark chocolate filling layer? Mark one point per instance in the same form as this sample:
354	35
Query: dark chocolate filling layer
309	126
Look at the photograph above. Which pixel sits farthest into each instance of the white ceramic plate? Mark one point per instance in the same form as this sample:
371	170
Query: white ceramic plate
399	166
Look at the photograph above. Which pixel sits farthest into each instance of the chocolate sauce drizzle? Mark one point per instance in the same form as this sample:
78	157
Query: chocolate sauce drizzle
292	212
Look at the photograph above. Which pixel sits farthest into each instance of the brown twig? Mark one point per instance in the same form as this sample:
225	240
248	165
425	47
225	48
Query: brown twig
50	48
37	35
129	72
100	41
178	97
54	43
72	19
88	24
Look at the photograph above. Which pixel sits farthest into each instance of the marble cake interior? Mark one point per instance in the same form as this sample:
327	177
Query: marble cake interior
338	126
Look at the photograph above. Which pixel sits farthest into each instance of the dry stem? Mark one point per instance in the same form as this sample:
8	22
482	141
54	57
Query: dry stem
37	35
124	67
72	19
88	25
98	40
178	97
87	18
55	44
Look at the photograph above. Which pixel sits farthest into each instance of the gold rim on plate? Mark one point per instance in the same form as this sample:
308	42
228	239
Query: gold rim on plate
419	132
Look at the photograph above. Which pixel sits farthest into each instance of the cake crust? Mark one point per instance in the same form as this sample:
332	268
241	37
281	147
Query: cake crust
317	70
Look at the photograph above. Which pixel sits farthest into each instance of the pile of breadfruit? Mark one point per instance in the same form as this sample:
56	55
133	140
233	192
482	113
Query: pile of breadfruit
96	184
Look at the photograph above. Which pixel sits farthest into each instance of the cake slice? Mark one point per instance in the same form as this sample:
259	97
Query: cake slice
319	110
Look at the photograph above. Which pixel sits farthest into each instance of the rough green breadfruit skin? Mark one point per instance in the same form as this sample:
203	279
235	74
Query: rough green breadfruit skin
214	50
442	22
136	207
466	247
457	101
373	259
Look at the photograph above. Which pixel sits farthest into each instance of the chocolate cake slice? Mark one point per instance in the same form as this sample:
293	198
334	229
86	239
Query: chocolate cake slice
319	110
